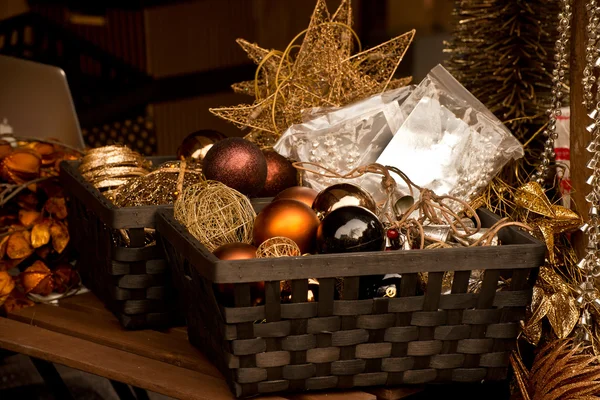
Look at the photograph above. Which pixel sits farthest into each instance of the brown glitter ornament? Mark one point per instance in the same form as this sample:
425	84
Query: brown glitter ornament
323	72
303	194
238	164
281	174
197	144
278	247
288	218
215	214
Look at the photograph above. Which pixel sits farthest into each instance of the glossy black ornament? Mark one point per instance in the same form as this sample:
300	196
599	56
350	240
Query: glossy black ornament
341	195
350	229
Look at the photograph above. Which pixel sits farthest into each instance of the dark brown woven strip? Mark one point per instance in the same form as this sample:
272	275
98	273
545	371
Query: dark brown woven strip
321	382
397	364
323	355
229	332
250	375
424	348
119	268
271	359
121	294
373	350
299	342
452	332
300	371
406	304
419	376
447	361
508	330
347	367
370	379
326	296
480	317
134	254
273	386
349	293
159	266
375	321
272	329
352	307
133	307
141	281
232	362
349	338
298	310
517	298
475	346
323	324
458	301
494	360
401	334
243	314
428	318
468	374
248	346
156	292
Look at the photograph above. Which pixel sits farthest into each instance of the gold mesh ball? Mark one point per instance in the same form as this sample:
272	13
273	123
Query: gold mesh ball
278	246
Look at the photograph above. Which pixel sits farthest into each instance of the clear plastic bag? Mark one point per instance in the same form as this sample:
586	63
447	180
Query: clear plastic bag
449	141
342	139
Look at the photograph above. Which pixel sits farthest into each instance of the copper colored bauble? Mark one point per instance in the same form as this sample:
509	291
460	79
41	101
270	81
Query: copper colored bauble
281	174
288	218
301	193
226	291
350	229
235	251
238	164
340	195
197	144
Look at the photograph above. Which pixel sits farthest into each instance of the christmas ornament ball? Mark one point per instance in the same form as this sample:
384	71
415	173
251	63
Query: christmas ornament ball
197	144
350	229
238	164
235	251
288	218
303	194
281	174
340	195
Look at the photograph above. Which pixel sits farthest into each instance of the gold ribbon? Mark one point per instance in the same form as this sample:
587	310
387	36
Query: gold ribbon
552	219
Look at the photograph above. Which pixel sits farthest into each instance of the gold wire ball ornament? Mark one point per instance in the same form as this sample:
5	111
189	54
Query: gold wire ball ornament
323	72
278	246
159	187
215	214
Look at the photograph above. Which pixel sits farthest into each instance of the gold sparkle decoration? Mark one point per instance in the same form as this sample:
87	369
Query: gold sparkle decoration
320	72
553	219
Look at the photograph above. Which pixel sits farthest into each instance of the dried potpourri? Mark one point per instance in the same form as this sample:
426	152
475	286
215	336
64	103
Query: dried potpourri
34	255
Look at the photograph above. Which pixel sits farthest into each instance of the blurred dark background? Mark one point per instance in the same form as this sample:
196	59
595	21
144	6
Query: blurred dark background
145	72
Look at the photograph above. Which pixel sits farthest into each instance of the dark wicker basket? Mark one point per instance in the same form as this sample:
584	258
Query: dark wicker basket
134	282
411	339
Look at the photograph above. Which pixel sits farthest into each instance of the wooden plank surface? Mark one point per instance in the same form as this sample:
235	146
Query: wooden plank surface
169	347
111	363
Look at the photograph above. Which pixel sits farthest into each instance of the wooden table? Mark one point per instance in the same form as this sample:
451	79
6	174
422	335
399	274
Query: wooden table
82	334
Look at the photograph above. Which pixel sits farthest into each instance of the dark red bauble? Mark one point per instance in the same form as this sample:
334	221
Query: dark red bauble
238	164
288	218
281	174
301	193
198	143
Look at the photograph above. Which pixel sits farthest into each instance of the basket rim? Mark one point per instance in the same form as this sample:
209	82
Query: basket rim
526	252
114	217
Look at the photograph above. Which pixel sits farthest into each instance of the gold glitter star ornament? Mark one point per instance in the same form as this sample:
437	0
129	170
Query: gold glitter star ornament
321	72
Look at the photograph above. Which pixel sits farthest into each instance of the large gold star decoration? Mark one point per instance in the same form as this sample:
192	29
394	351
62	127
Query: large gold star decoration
321	72
552	219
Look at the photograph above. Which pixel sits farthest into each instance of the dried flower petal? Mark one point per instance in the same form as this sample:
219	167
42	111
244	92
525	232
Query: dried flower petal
18	245
3	246
40	233
44	251
16	301
65	277
60	236
28	218
37	279
57	207
7	284
27	200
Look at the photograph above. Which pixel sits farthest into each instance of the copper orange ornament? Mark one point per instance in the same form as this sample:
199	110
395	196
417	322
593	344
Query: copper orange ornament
288	218
235	251
303	194
238	251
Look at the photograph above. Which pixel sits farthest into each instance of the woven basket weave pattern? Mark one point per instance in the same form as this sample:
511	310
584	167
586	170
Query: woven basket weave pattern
410	339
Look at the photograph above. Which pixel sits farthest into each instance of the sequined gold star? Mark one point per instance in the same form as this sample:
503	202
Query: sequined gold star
321	72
